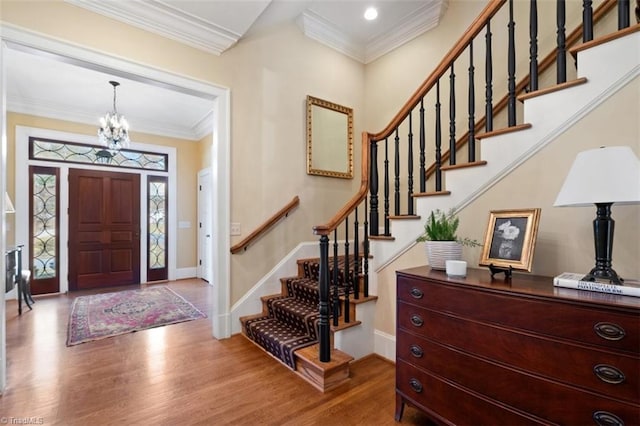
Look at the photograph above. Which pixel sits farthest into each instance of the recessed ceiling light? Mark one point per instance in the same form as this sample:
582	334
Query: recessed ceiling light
370	14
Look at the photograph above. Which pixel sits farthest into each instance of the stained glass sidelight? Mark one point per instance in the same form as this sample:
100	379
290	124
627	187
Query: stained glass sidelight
157	222
44	220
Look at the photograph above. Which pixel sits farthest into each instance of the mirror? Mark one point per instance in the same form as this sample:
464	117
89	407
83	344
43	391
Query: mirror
329	139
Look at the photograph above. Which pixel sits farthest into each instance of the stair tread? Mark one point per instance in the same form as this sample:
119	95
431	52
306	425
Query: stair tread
552	89
430	194
464	165
504	130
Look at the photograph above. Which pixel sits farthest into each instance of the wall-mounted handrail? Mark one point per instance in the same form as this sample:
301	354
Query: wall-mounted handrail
282	213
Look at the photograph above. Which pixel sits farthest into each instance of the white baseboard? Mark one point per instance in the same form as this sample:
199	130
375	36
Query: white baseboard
12	295
184	273
385	345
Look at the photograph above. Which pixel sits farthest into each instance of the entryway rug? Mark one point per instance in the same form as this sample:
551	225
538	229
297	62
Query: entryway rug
110	314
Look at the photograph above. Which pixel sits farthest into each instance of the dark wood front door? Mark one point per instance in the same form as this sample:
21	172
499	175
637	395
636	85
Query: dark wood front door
104	229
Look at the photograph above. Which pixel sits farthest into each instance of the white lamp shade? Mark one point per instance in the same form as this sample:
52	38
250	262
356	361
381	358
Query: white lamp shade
8	205
602	175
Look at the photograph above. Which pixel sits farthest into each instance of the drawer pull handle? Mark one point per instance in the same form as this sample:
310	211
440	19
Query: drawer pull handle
417	386
416	351
416	293
416	320
609	374
609	331
604	418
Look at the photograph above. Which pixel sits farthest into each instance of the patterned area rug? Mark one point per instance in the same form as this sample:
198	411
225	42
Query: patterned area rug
110	314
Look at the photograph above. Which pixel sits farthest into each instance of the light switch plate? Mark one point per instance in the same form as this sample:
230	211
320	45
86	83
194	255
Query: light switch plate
235	229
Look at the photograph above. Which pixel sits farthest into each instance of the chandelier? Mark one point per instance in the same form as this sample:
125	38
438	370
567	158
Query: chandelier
114	129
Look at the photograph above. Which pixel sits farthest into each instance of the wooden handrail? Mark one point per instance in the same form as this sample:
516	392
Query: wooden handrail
327	228
476	26
283	212
543	65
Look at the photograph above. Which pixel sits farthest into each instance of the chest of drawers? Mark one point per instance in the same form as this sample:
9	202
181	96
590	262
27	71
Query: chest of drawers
479	351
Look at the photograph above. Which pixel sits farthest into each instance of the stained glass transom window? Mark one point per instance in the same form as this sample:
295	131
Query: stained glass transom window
69	152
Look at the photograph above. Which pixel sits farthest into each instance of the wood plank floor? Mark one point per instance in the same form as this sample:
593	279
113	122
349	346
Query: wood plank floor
177	374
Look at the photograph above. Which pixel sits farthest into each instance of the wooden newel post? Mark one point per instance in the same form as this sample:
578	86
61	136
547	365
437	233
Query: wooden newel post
323	324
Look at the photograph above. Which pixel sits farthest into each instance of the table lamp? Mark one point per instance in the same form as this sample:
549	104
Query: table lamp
8	205
602	176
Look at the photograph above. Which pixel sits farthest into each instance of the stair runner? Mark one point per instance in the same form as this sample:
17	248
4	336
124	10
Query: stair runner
291	321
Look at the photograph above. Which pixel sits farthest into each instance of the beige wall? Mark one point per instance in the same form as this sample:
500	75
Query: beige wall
188	158
204	151
393	78
276	71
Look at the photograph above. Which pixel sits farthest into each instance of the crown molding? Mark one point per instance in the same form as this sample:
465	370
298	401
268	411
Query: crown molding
55	111
159	18
319	29
422	20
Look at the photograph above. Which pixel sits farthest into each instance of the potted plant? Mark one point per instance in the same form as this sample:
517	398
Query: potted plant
440	239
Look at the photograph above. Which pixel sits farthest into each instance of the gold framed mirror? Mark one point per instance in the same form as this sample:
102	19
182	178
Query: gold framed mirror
329	139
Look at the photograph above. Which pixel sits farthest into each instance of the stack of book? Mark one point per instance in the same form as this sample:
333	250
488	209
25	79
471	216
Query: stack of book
572	280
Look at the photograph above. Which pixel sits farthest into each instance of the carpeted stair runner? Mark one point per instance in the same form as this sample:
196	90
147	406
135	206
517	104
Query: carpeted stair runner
291	320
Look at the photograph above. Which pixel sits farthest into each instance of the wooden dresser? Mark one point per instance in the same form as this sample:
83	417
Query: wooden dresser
479	351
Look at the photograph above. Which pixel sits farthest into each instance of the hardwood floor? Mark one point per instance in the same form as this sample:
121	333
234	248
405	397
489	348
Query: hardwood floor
177	374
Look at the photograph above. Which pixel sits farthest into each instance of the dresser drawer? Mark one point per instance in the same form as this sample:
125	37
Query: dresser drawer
553	401
445	400
577	365
553	317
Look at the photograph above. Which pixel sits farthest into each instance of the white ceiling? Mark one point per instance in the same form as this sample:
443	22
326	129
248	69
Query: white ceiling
80	93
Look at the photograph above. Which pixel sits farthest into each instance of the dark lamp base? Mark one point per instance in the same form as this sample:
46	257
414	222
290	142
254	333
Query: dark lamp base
609	274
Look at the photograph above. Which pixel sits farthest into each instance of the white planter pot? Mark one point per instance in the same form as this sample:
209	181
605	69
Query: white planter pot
438	252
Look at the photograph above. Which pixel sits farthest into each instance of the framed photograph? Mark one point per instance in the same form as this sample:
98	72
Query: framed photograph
510	239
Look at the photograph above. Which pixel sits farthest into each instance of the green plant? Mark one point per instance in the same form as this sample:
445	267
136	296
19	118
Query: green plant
441	226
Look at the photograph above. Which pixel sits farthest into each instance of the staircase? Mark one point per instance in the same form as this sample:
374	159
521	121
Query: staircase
287	326
294	324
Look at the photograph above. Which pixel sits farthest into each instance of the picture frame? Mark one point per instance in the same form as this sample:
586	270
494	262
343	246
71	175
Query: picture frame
329	139
510	239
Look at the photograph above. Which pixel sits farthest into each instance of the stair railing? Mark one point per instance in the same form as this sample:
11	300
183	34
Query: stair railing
439	91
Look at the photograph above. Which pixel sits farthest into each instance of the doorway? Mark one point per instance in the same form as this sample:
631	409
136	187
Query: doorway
36	44
104	229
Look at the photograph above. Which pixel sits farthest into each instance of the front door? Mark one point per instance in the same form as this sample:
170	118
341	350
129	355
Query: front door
104	229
